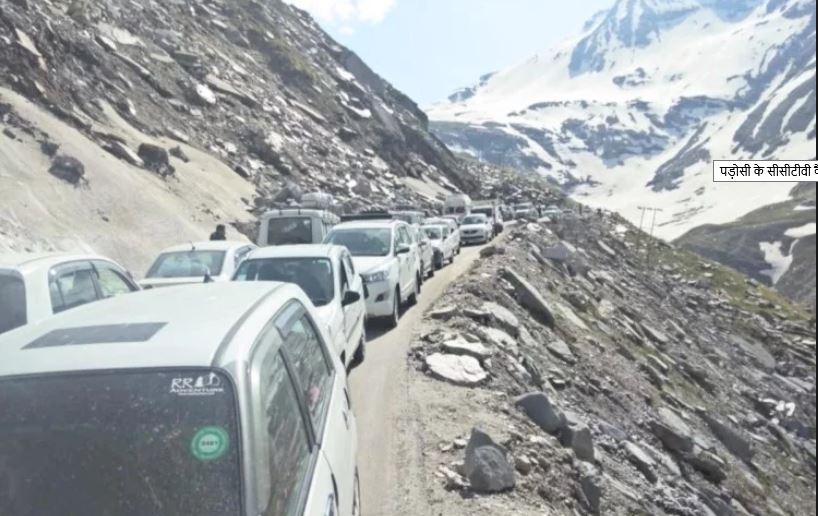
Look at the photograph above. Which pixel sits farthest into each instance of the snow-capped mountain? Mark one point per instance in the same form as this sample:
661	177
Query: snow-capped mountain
633	110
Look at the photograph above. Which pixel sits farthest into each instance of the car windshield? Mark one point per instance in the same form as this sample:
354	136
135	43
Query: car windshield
187	264
12	302
289	231
313	275
474	219
125	443
434	233
363	241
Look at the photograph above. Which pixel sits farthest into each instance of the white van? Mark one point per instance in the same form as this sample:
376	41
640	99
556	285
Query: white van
458	205
295	226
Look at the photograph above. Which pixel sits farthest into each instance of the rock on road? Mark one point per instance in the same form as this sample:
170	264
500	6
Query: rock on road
381	401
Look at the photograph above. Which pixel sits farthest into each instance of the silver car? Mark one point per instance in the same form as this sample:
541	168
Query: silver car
212	399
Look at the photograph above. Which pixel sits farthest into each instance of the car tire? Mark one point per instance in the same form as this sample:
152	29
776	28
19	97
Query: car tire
393	320
356	495
413	298
359	355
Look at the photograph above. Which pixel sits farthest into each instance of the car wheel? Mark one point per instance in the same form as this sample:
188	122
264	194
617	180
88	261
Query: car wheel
413	299
356	500
393	320
359	355
432	270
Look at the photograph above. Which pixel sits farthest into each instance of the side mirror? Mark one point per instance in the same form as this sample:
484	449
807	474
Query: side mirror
404	249
351	297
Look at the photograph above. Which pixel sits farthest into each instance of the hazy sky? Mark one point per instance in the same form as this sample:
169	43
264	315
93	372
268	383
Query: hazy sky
429	48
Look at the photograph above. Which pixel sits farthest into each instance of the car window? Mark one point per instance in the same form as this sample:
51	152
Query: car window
241	254
349	265
187	264
111	282
129	443
12	302
313	275
289	445
71	286
306	353
289	231
362	241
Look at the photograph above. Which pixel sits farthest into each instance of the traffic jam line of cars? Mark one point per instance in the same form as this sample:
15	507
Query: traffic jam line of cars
226	376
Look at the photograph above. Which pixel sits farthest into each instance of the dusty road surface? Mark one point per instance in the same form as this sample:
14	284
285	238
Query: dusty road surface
389	457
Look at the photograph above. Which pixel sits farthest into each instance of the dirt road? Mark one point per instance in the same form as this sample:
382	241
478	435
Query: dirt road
390	479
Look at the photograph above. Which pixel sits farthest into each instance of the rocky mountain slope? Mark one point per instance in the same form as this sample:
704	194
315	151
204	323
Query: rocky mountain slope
774	244
569	373
127	125
633	110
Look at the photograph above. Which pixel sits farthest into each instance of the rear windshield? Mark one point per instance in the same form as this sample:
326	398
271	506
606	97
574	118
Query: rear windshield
313	275
289	231
187	264
124	444
363	242
12	302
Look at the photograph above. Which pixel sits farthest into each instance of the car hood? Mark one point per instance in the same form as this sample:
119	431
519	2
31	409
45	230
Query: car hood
366	264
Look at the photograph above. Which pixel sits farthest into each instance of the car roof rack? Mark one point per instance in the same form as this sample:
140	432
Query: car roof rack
368	215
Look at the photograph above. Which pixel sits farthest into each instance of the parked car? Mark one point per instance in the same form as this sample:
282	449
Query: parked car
204	399
491	209
295	226
328	277
196	263
443	243
476	229
526	211
454	229
426	251
36	286
552	213
409	216
388	259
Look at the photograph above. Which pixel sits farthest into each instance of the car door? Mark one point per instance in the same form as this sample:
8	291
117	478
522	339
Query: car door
71	285
406	261
321	380
354	313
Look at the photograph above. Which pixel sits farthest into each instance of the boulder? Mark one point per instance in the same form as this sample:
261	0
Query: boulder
590	488
460	370
655	335
460	346
503	318
674	433
708	464
500	339
491	250
577	436
68	169
486	466
537	406
560	349
732	439
559	252
642	461
156	158
443	313
123	152
529	297
202	94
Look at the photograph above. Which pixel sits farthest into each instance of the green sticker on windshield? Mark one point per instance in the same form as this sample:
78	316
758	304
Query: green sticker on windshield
210	443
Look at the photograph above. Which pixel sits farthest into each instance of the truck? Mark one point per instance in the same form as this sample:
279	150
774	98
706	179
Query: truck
457	205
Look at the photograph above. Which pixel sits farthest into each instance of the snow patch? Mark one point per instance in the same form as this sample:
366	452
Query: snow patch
802	231
779	262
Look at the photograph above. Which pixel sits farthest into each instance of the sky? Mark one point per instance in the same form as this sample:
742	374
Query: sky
430	48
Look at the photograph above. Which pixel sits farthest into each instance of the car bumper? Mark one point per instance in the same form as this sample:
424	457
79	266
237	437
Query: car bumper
480	237
379	302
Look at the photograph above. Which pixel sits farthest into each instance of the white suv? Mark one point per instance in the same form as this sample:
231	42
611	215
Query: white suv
208	399
196	262
387	257
327	275
36	286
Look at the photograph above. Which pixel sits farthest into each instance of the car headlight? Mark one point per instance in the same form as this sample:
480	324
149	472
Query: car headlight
375	277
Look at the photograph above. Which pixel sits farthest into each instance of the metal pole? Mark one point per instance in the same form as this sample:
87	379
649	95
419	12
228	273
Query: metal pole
639	234
652	228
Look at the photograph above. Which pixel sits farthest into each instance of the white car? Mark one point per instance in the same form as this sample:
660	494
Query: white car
196	262
443	243
387	257
204	399
36	286
295	226
328	277
454	229
476	229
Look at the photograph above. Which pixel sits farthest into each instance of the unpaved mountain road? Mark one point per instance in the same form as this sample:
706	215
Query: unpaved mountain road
388	457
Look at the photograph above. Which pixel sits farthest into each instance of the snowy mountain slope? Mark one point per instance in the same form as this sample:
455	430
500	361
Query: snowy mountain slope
632	111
